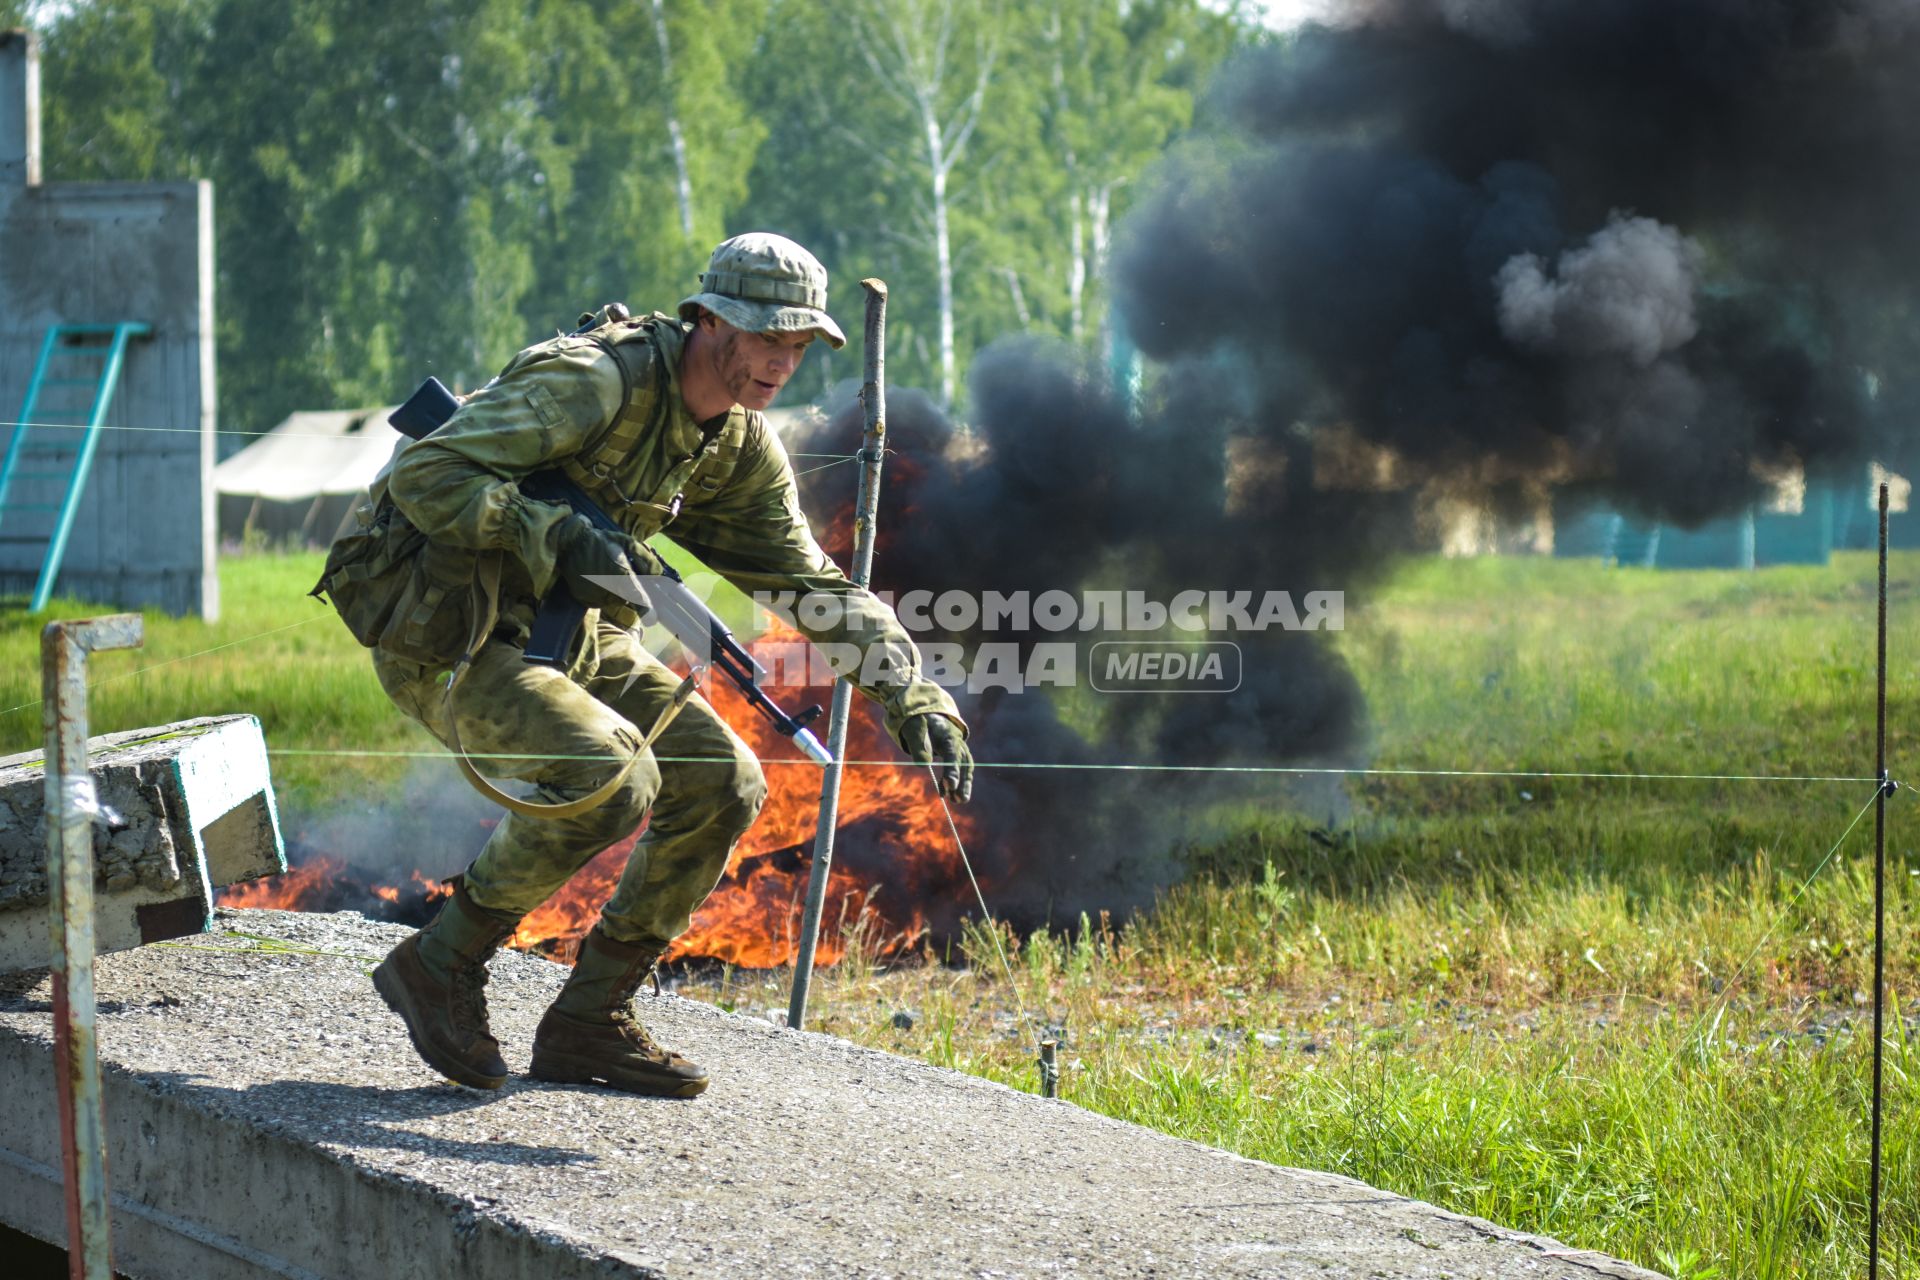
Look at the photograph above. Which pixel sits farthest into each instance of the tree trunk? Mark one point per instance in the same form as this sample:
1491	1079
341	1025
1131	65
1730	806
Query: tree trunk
943	257
1019	297
1099	205
1076	272
683	182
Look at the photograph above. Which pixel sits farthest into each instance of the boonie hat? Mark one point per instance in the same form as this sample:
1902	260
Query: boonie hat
765	283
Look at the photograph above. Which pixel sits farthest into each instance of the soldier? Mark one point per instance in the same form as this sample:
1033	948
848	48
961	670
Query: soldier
658	420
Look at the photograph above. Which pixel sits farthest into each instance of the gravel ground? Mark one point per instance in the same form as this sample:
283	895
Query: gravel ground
807	1157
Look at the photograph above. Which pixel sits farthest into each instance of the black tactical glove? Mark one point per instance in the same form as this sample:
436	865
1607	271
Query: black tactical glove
617	561
934	739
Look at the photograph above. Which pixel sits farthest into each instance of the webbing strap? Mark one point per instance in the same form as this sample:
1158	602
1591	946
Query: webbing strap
634	421
488	580
601	794
639	417
530	808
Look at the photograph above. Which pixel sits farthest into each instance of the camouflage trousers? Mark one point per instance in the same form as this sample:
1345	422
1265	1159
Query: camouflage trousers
700	781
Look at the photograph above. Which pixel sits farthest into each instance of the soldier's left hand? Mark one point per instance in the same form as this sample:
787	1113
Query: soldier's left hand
932	738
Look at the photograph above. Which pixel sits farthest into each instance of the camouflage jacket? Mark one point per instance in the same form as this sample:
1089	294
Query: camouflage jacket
605	406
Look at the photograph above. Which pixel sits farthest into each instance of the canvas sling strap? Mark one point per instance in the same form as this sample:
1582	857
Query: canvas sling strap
489	584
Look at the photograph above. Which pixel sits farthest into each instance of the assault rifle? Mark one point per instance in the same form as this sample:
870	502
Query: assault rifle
674	607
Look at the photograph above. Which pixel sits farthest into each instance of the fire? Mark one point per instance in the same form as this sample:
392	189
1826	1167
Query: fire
894	857
753	917
292	891
326	883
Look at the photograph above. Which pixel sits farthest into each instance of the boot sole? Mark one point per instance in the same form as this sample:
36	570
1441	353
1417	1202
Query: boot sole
390	991
561	1069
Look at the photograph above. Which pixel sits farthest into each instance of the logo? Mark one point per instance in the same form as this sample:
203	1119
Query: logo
1155	666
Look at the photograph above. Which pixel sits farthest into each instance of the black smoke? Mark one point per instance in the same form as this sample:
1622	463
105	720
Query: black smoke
1056	487
1644	248
1653	244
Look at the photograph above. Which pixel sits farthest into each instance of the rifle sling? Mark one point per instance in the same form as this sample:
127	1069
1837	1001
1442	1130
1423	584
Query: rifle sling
489	583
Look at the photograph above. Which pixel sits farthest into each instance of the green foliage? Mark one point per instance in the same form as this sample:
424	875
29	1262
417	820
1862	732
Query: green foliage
1082	97
112	76
423	188
409	189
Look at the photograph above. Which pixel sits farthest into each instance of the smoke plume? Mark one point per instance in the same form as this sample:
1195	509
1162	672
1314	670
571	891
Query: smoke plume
1495	247
1628	292
1489	249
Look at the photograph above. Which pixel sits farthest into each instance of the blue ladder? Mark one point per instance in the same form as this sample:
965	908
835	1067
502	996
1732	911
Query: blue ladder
66	346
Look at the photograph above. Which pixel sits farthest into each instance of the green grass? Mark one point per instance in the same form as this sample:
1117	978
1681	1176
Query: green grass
1630	1014
274	653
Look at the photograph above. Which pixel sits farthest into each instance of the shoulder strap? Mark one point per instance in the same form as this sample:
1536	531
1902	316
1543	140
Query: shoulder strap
644	408
643	404
488	585
599	795
732	443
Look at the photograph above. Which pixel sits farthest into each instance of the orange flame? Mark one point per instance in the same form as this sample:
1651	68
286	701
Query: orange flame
753	917
302	884
314	883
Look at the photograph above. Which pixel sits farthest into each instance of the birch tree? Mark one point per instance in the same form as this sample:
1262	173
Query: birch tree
676	136
1121	80
936	58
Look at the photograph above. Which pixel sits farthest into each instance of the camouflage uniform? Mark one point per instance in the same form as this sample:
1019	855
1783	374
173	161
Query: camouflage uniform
451	525
726	494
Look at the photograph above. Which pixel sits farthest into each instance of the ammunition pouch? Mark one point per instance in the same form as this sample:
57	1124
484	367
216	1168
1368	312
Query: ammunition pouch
398	591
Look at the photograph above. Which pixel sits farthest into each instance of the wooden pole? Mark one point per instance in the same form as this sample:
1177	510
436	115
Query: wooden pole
873	398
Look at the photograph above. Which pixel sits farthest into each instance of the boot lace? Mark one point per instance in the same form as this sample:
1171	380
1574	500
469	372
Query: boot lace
469	991
635	1033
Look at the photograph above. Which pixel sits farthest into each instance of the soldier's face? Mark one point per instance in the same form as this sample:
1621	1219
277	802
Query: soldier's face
754	366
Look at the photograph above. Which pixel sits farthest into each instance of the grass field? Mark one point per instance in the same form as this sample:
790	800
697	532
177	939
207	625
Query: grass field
1630	1014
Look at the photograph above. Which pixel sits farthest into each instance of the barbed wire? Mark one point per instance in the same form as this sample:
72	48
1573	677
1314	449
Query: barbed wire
1066	766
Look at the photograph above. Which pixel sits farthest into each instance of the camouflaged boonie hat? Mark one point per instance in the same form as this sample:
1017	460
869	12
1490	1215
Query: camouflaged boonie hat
765	283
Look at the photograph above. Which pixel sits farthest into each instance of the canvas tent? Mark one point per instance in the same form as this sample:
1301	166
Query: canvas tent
303	480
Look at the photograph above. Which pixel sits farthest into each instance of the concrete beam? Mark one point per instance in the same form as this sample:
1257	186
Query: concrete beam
267	1118
187	808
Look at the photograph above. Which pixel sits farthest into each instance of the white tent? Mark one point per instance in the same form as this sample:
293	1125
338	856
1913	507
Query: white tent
303	479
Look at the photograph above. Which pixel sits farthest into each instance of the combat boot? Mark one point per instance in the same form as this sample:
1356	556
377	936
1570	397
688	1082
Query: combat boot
591	1035
436	981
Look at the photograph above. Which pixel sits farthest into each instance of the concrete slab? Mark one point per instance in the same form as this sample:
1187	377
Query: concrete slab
269	1119
187	808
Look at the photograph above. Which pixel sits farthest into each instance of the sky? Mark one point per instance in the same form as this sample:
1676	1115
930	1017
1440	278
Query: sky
1283	15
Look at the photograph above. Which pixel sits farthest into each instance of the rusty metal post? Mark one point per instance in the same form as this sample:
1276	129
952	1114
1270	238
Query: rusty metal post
71	808
873	398
1049	1069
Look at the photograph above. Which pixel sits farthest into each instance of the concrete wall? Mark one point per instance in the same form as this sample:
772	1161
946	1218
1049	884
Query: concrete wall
80	252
